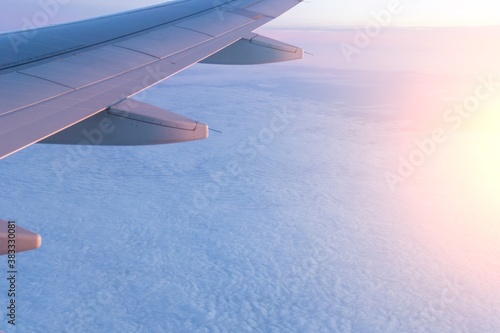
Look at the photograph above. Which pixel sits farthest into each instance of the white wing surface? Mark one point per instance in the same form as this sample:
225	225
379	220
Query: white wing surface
57	76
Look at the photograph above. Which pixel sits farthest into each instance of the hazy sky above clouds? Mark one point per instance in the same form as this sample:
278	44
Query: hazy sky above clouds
322	13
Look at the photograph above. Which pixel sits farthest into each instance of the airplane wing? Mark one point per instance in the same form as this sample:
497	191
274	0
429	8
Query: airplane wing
72	83
54	77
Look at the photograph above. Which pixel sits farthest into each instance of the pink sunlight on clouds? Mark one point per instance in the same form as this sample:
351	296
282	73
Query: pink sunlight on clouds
446	162
442	87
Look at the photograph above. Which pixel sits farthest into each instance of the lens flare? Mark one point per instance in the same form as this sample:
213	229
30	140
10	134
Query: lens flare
454	197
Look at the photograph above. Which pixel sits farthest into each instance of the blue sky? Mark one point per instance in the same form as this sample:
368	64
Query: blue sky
316	13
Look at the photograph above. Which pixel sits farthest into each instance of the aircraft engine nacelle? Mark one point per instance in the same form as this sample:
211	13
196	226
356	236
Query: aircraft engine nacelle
131	123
